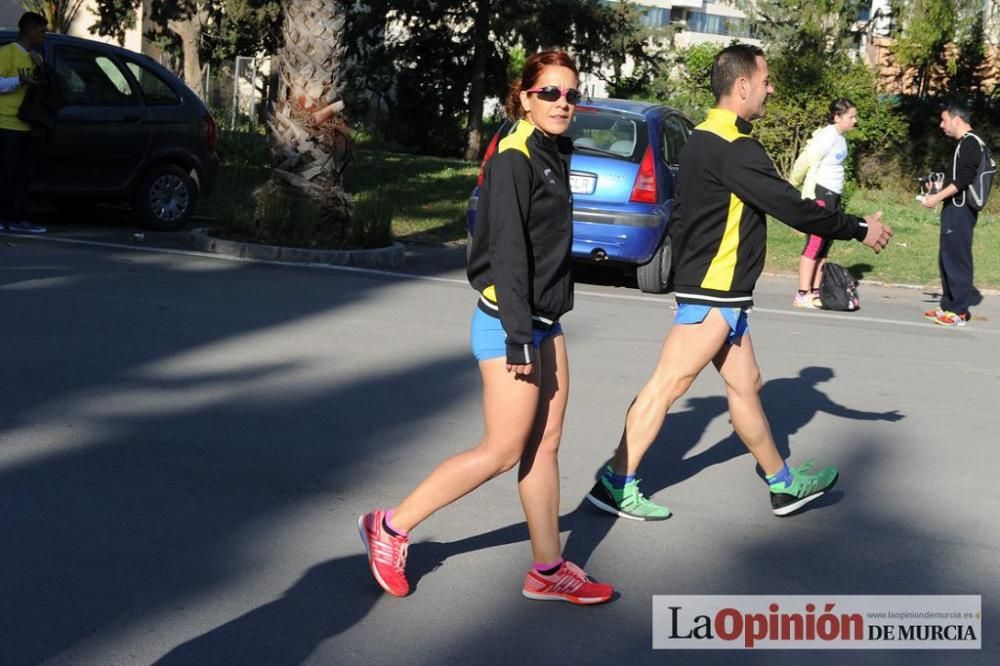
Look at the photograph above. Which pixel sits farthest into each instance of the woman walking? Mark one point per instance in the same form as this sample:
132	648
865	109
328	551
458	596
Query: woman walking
519	264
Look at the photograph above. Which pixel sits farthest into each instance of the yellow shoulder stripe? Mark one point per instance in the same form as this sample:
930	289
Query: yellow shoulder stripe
518	139
721	123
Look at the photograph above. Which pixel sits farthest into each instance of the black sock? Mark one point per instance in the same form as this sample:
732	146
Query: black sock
549	572
388	529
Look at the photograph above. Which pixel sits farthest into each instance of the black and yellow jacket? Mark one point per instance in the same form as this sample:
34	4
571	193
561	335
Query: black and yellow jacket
520	255
717	227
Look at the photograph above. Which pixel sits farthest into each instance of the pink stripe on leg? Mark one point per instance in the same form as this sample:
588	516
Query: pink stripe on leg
812	247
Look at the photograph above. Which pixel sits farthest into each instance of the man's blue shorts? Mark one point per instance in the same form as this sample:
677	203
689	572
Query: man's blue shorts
739	324
489	340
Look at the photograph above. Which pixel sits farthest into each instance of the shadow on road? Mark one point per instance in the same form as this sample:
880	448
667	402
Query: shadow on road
143	437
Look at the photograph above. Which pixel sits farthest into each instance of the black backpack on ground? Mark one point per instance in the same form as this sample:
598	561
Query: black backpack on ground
838	290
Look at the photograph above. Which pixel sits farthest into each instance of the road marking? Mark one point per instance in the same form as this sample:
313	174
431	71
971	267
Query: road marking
432	278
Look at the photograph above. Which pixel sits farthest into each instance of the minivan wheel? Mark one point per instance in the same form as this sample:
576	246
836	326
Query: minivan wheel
654	277
166	199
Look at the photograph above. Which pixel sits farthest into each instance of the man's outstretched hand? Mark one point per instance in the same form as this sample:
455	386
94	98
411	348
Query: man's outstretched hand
878	233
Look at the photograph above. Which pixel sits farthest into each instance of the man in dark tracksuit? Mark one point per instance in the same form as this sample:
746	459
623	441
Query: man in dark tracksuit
958	219
718	234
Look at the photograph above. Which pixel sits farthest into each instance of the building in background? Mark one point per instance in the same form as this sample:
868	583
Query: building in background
698	21
688	22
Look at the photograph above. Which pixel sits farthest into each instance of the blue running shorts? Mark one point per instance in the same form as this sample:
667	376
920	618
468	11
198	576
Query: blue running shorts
739	324
489	340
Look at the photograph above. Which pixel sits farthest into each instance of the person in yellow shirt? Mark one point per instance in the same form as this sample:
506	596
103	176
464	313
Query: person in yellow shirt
18	148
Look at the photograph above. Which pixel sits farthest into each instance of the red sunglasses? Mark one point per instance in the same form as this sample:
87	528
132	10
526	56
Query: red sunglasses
553	93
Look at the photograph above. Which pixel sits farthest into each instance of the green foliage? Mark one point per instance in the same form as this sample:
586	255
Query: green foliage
242	27
925	27
686	82
928	25
809	65
631	58
804	27
371	223
800	105
515	61
410	86
245	149
925	148
235	27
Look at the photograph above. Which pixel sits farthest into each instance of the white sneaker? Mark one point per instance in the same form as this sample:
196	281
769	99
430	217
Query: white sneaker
807	300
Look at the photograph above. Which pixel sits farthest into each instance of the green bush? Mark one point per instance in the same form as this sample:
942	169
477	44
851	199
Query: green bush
244	148
926	148
685	83
371	222
800	105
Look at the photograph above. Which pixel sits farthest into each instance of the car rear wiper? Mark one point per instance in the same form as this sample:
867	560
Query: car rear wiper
600	151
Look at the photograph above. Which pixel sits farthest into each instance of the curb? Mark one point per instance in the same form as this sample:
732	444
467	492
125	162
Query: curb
393	256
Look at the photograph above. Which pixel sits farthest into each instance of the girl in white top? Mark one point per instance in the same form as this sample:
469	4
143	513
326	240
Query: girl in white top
819	170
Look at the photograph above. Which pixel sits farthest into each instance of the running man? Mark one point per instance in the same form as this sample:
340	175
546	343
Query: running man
717	228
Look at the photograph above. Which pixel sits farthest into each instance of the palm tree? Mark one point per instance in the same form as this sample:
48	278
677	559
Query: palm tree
308	133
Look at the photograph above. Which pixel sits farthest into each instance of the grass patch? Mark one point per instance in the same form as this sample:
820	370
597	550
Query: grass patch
911	257
428	198
430	193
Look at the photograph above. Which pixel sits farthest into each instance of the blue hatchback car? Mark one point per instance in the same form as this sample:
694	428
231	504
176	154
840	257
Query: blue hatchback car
623	177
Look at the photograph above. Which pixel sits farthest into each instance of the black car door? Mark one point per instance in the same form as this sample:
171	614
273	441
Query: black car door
102	134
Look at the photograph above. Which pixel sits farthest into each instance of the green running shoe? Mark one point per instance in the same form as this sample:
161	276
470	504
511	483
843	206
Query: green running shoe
805	488
626	502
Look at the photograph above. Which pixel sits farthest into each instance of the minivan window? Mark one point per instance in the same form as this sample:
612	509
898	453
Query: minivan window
156	91
608	133
93	79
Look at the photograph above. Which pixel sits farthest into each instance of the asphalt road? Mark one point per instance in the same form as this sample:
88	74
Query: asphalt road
186	443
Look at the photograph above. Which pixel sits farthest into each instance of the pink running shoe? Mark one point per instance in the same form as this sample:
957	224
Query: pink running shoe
569	583
386	553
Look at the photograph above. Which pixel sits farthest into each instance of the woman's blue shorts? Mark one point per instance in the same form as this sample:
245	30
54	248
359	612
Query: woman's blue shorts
489	340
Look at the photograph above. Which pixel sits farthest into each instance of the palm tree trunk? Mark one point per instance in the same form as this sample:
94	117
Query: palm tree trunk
477	93
308	133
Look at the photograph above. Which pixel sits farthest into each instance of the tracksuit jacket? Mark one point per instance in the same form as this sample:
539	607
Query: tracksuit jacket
519	260
727	184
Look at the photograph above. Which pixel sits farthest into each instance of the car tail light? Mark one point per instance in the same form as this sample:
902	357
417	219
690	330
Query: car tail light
644	190
490	149
211	131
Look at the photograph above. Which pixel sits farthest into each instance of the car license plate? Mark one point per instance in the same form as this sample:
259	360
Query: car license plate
582	183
